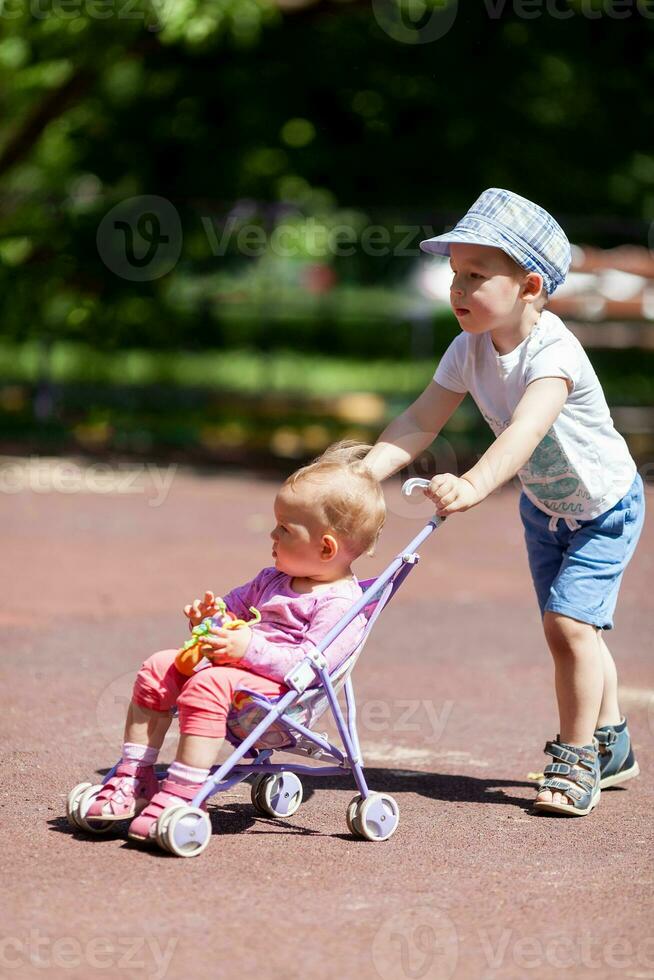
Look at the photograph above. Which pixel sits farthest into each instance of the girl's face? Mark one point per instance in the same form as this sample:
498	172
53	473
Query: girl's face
486	288
298	538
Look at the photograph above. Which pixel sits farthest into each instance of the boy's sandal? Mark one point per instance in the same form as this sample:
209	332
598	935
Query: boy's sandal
616	757
128	791
575	773
170	794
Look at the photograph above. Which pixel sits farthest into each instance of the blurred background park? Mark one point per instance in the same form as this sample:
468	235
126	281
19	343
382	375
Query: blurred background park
211	209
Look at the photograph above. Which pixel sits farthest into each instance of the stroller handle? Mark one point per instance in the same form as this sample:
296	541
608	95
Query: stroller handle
410	485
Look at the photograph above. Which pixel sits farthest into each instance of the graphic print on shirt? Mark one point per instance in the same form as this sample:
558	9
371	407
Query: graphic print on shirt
548	475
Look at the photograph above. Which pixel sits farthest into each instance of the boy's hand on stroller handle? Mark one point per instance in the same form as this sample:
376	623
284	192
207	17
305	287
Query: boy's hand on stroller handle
199	609
451	494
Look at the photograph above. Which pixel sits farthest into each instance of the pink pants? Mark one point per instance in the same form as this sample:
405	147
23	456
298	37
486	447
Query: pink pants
203	700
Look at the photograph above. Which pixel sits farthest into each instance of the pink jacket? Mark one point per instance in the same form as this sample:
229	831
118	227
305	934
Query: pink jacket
291	624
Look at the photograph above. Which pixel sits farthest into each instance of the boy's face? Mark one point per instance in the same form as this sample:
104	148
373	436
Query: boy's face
486	288
297	535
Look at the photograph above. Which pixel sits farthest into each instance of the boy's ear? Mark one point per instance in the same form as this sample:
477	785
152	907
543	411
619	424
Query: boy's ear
329	547
532	286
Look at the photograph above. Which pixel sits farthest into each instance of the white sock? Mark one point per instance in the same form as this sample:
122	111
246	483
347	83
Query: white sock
145	754
188	775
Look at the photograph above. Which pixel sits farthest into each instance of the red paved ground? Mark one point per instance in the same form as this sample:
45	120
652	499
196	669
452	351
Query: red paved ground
455	701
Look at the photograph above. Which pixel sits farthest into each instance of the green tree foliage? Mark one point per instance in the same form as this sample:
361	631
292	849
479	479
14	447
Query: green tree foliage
298	111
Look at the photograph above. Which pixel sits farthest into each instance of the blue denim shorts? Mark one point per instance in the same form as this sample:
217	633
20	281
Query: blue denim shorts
578	572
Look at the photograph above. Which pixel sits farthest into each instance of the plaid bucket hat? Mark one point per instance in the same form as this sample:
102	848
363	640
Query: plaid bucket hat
519	227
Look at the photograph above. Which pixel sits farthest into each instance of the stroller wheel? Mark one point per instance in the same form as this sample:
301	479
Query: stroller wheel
188	831
161	825
84	801
255	795
72	804
375	818
277	794
351	815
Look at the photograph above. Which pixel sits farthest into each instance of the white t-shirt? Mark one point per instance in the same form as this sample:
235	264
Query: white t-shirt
583	466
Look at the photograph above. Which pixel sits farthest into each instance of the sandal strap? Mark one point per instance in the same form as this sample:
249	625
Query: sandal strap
573	755
563	786
606	737
574	774
186	790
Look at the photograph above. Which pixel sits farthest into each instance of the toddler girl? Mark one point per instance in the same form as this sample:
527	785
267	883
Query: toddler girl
327	514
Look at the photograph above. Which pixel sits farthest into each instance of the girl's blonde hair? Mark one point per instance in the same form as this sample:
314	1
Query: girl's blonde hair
348	497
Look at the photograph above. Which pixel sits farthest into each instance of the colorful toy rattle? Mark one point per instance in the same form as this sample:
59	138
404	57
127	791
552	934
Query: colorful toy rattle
190	656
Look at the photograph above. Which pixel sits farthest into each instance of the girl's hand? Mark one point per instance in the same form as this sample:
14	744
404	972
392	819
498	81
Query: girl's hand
199	609
223	646
451	494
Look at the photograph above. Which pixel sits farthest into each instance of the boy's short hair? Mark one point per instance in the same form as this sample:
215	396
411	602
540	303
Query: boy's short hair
348	496
522	229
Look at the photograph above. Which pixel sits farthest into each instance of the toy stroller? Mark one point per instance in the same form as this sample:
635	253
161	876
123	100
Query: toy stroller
257	726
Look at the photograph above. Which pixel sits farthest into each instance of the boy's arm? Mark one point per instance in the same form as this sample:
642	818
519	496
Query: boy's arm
531	421
413	430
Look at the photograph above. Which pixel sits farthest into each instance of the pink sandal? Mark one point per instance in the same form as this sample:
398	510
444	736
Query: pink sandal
120	798
170	794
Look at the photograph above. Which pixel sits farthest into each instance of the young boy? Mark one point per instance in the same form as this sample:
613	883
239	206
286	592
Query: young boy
582	501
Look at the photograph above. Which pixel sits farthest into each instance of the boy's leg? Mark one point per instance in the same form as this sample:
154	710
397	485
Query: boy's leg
578	674
571	651
610	709
579	605
579	682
